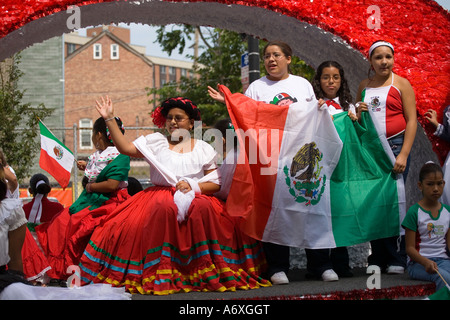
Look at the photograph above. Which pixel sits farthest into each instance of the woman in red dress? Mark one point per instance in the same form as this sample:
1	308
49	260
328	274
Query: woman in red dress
174	236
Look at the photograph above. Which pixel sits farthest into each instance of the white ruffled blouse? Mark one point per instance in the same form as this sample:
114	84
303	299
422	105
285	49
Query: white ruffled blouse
190	164
98	161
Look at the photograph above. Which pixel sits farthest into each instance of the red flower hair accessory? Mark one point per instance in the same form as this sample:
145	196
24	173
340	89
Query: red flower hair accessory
158	119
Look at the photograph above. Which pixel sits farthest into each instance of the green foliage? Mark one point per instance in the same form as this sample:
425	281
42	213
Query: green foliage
19	146
218	63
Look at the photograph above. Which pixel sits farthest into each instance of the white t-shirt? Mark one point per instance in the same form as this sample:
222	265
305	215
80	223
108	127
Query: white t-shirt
12	217
430	232
282	92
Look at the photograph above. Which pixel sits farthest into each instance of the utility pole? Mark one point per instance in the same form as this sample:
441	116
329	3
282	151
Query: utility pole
253	58
196	39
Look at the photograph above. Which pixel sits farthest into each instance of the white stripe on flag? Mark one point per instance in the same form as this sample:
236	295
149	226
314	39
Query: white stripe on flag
57	152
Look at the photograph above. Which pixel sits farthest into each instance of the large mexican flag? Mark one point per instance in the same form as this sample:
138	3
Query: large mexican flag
55	157
305	180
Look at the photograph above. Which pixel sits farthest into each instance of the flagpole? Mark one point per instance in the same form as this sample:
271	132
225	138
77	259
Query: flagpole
443	279
45	126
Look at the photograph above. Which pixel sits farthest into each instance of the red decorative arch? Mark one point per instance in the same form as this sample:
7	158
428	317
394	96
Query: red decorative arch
419	30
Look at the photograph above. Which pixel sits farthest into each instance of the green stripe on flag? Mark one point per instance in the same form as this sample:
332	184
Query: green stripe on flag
48	134
364	200
441	294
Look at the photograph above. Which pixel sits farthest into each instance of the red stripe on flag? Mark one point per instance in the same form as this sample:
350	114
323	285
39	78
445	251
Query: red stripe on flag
251	192
52	166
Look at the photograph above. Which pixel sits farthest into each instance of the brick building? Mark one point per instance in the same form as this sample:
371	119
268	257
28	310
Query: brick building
104	63
68	73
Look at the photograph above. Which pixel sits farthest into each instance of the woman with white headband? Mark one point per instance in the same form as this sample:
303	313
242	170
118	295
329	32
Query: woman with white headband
392	101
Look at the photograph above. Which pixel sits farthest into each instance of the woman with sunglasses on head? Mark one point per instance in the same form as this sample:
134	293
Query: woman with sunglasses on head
173	236
278	87
392	100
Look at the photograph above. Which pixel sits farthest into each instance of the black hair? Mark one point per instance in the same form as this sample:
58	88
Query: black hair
100	126
182	103
43	188
427	168
134	186
344	95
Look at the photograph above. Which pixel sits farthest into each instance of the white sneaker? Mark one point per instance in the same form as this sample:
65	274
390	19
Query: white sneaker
329	275
279	278
395	270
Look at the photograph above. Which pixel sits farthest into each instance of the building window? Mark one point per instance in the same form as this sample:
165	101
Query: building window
183	72
172	74
97	51
71	47
85	134
114	51
162	75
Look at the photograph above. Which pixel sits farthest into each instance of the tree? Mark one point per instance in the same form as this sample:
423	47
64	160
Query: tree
219	62
19	127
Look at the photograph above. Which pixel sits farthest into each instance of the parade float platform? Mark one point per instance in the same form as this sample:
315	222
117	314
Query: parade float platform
392	287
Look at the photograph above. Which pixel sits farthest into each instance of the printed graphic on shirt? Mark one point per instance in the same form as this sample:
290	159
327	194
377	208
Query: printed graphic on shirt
283	99
434	230
375	104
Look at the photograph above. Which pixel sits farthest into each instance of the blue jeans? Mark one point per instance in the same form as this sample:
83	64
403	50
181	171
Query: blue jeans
417	271
396	145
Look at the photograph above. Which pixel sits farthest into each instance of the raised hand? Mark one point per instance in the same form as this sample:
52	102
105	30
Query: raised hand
216	95
105	108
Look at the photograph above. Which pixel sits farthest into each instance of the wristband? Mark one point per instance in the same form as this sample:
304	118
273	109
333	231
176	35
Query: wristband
109	119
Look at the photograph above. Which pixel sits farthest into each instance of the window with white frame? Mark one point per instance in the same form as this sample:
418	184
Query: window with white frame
86	134
114	51
97	51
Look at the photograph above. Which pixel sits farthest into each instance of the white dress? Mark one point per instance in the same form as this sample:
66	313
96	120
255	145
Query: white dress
168	167
190	164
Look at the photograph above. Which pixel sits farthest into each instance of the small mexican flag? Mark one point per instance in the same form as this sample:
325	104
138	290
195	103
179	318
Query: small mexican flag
441	294
55	157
